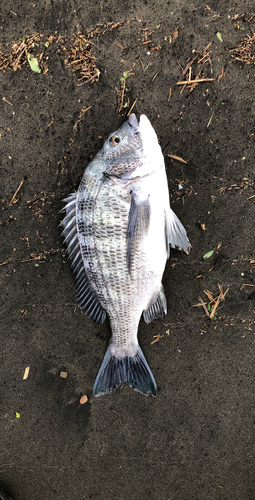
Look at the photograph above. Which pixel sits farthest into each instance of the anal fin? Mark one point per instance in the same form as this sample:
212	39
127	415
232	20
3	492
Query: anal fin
157	309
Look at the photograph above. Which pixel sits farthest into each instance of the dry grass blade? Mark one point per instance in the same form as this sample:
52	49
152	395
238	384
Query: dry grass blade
245	51
209	295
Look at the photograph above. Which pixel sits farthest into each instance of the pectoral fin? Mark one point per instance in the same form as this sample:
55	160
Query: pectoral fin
176	235
138	224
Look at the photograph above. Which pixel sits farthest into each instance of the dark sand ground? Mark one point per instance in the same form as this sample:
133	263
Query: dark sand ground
195	440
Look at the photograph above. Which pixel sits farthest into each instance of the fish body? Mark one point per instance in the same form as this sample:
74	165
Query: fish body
118	229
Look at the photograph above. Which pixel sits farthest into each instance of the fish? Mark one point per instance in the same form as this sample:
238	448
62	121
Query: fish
118	230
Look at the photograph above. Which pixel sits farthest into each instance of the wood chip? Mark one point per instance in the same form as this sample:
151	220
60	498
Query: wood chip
84	399
26	372
177	158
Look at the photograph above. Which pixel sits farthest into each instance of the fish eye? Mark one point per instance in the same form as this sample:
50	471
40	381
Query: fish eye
114	140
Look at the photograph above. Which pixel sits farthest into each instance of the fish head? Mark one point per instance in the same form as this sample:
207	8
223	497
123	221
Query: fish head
131	151
124	142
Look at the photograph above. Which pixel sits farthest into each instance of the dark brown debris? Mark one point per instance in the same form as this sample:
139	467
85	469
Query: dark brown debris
78	54
196	69
245	50
18	54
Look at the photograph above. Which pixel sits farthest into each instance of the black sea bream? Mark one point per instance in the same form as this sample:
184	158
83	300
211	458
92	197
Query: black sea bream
118	229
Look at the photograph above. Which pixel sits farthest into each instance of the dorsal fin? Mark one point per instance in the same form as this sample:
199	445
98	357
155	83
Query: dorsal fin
85	295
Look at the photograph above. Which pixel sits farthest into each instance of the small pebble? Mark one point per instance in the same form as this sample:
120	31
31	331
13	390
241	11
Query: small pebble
63	374
84	399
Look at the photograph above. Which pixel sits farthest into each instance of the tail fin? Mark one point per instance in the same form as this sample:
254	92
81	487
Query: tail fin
134	370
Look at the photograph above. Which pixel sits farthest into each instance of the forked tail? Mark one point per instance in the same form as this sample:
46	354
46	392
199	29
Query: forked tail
117	370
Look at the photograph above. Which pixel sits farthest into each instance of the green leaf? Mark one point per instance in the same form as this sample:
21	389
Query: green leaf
158	26
23	38
47	44
208	254
33	63
17	414
219	36
209	307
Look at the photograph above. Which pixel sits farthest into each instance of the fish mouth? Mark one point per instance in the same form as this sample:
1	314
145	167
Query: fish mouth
133	123
143	126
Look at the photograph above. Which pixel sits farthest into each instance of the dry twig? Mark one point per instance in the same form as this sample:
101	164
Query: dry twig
210	308
199	80
13	200
122	98
200	60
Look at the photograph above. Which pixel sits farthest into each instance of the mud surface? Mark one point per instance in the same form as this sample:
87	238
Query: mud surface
195	440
